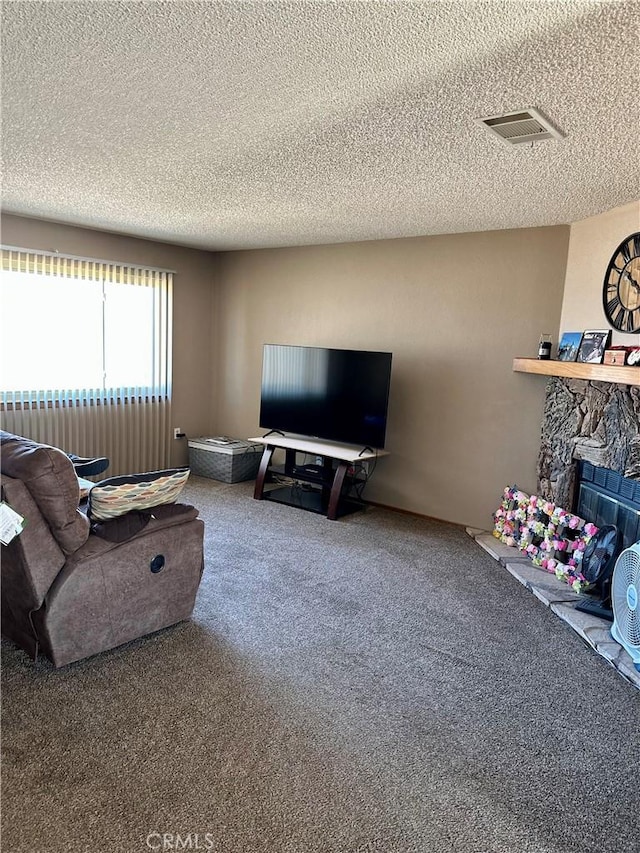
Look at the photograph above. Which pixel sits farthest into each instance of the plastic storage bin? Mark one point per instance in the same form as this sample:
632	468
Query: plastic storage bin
227	459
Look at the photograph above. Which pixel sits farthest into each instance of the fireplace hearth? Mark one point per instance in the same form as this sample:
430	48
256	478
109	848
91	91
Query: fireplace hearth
561	600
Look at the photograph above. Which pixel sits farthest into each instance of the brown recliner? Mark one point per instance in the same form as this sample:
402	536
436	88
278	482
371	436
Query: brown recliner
71	593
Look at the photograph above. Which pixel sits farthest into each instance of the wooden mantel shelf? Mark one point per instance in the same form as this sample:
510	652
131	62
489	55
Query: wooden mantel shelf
573	370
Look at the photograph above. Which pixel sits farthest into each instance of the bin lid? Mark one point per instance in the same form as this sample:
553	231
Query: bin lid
224	444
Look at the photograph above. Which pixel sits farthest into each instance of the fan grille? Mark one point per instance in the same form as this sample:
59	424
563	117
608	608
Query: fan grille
625	596
515	129
597	561
527	125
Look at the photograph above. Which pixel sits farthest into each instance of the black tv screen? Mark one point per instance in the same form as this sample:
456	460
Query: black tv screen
335	394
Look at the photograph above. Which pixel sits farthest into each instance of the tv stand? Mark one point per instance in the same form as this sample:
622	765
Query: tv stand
326	481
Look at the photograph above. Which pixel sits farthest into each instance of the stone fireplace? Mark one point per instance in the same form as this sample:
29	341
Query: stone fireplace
595	426
598	422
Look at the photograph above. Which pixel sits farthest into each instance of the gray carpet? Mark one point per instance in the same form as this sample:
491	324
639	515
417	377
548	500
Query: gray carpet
345	686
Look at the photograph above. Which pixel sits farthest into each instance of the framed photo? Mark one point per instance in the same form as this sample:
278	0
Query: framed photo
593	345
569	346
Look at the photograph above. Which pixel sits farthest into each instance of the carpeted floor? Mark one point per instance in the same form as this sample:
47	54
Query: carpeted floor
343	686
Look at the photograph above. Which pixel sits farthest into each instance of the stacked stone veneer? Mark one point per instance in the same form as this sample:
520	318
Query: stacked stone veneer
596	421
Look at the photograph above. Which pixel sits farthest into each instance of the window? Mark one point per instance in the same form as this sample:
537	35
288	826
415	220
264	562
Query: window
73	328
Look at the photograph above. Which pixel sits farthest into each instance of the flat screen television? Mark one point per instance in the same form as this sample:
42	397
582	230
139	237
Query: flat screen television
336	394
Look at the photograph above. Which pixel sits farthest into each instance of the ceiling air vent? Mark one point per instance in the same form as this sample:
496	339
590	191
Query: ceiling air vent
526	125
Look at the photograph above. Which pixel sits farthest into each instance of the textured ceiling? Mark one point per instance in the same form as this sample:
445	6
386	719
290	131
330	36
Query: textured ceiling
226	125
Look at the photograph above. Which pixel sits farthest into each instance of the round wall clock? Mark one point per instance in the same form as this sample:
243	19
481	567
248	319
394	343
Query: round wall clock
621	288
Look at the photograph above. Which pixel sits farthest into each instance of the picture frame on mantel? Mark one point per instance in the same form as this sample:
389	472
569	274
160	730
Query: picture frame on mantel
569	346
592	346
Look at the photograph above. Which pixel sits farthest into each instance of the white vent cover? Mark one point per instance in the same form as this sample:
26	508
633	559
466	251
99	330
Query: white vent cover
527	125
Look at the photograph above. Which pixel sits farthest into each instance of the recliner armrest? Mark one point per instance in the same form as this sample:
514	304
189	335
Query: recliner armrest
125	527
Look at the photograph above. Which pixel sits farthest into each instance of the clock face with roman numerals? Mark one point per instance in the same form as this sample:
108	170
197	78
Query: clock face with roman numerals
621	289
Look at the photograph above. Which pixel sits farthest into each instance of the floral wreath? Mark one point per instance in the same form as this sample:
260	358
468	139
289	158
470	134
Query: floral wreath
551	537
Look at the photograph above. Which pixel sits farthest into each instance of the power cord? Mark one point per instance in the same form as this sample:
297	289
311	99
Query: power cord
358	483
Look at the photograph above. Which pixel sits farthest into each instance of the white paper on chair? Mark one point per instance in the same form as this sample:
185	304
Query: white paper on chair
11	524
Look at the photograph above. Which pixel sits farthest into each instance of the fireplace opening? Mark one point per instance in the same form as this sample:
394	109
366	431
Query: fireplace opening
612	503
606	497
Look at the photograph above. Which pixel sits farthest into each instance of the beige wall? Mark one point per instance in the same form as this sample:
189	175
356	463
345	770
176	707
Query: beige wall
194	309
453	309
591	245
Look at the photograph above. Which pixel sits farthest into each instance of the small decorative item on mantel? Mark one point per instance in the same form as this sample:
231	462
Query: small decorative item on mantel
622	355
544	347
594	343
569	346
615	355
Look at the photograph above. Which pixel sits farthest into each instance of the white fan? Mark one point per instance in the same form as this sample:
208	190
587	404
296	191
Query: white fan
625	598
